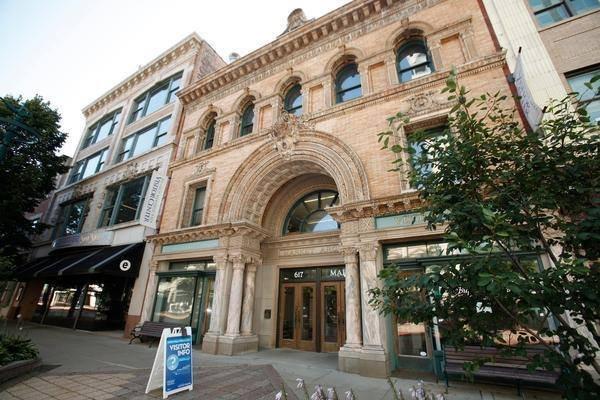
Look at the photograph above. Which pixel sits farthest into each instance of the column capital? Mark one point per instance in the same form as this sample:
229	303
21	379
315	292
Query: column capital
349	254
220	260
368	251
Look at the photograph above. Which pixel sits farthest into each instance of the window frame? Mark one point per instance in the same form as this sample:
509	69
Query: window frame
593	70
80	166
194	210
292	110
124	155
93	131
64	216
248	107
118	190
339	92
570	10
209	136
139	108
428	62
285	231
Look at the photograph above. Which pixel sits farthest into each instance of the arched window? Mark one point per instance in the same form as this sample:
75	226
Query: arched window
293	100
247	123
347	83
309	215
413	61
209	140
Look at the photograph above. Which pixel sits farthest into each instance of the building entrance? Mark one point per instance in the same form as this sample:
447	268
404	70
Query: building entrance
311	309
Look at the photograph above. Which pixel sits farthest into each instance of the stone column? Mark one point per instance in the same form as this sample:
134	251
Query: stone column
374	360
392	71
235	297
248	304
216	311
352	283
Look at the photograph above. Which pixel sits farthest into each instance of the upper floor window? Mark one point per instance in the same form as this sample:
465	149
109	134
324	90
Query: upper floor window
198	206
88	166
551	11
209	140
144	140
102	129
309	215
412	61
293	100
420	160
247	124
590	98
123	203
347	83
155	98
73	217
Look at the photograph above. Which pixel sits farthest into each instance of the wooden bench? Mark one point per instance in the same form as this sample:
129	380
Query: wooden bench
501	367
151	330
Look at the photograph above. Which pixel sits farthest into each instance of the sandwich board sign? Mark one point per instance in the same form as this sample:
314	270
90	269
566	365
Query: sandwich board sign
172	368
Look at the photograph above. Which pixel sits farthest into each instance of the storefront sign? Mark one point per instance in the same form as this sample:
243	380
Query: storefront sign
153	199
313	274
532	111
173	369
189	246
95	238
399	220
125	265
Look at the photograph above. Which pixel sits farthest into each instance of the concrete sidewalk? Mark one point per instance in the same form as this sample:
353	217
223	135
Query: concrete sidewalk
92	356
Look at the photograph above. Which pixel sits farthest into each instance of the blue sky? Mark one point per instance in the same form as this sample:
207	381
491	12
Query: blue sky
72	51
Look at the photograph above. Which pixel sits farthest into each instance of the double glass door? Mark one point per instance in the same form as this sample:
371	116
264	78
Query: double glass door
311	316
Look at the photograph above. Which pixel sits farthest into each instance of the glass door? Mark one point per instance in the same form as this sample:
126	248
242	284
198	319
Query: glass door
297	315
333	329
202	310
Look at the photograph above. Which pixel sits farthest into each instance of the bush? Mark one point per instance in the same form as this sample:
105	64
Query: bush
16	348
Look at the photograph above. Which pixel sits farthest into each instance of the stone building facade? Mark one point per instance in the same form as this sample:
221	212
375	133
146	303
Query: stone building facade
560	44
281	210
90	270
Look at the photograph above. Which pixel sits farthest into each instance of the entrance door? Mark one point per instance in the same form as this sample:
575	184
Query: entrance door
333	327
297	316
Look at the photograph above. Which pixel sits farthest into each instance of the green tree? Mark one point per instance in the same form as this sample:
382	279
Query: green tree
499	191
28	172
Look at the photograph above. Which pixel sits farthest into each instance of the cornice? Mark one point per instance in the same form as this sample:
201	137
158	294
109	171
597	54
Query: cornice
339	21
191	42
241	228
372	208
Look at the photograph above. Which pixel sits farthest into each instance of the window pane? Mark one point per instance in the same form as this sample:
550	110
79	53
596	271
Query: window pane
105	129
309	214
138	108
175	84
538	5
89	137
158	98
163	129
552	15
130	200
174	300
145	141
92	165
74	216
247	123
293	100
580	6
109	205
348	77
198	206
577	83
411	339
349	95
127	145
210	136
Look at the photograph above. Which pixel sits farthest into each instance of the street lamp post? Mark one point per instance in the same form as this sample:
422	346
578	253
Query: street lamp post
14	129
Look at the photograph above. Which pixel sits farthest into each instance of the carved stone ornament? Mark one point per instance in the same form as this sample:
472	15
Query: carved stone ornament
286	131
296	19
201	167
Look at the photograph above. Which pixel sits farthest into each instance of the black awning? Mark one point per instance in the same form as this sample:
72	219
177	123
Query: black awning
99	261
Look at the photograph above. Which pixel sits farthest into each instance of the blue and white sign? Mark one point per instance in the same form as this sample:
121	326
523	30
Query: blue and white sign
178	363
173	368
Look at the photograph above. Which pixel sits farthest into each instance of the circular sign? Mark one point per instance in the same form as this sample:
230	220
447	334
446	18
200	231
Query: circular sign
172	362
125	265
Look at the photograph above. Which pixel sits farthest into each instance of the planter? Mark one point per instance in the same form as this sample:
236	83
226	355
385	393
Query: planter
18	368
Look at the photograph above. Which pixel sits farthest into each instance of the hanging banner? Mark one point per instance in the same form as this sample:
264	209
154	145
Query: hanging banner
153	200
533	113
173	368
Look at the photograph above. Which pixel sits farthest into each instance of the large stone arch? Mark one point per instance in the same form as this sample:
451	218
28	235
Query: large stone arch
266	170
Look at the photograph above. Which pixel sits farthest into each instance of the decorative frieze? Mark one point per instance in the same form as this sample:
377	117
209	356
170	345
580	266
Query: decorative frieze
284	133
309	251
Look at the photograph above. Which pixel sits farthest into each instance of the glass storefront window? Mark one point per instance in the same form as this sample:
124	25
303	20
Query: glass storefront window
411	339
174	300
192	266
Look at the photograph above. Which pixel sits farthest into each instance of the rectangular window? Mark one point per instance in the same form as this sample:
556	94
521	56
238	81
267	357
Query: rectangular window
590	98
73	217
88	166
144	140
198	206
548	12
155	98
417	146
102	129
123	202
